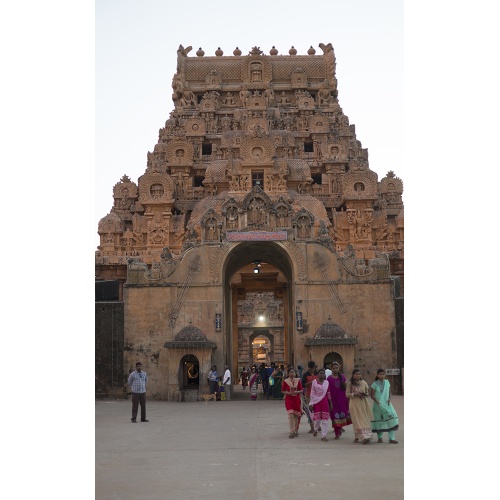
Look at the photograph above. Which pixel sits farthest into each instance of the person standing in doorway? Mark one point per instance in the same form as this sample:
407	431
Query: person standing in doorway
213	381
137	381
226	381
328	370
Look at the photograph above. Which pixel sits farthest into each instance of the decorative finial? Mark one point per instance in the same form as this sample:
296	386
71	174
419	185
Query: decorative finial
311	51
256	51
237	52
218	52
200	52
273	51
293	51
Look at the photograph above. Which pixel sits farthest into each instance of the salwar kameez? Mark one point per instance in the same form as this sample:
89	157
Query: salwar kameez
385	418
320	401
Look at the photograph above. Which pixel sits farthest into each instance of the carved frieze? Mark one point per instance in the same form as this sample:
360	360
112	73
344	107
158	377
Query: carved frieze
180	152
195	127
256	71
360	185
111	224
155	188
299	78
318	123
256	150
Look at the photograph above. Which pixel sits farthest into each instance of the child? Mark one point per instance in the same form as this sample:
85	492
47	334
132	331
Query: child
320	404
385	418
361	414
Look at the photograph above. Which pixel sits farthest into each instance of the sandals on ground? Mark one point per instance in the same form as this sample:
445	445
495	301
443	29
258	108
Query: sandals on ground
393	441
315	433
366	441
292	435
324	439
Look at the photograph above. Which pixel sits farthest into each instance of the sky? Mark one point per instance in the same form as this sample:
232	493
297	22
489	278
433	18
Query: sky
136	57
84	90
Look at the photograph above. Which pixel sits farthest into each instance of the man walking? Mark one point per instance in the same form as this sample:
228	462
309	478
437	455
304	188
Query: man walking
137	381
227	383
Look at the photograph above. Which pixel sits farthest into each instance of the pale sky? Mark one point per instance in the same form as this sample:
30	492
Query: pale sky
136	57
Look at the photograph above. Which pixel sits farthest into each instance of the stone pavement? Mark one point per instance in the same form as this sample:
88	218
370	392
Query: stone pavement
236	449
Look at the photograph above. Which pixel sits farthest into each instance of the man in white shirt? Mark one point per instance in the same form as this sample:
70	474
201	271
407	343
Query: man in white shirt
226	380
328	370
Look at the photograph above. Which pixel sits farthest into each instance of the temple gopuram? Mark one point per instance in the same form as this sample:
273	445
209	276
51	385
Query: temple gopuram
257	233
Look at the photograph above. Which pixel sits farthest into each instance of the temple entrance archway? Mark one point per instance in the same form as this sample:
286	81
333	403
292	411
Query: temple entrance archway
257	306
261	345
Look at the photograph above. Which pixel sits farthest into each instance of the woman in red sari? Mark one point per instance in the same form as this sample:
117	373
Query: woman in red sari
340	414
292	389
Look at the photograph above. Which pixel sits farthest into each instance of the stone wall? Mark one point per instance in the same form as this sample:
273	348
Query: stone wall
110	377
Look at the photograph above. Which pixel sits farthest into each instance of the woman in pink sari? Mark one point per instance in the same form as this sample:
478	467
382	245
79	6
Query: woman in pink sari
320	404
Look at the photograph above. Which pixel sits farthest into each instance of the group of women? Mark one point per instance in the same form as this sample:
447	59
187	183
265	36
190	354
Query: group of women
344	403
253	378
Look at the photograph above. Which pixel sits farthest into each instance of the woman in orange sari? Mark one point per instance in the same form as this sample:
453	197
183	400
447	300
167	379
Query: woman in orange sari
292	389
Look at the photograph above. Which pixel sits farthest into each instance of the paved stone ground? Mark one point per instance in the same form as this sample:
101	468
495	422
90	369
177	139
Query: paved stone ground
236	449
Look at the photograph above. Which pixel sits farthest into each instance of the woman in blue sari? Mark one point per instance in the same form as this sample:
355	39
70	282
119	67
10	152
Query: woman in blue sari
385	418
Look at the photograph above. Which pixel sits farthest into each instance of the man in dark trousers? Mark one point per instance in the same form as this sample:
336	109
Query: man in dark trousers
137	381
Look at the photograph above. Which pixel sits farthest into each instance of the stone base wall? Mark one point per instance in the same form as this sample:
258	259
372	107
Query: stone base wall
110	376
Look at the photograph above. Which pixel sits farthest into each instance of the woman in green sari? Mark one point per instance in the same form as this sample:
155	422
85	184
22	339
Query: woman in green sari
385	418
278	381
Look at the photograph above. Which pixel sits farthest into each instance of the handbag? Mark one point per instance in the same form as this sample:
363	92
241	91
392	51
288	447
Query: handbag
271	380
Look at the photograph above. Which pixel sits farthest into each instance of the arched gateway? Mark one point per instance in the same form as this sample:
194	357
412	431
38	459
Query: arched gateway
257	232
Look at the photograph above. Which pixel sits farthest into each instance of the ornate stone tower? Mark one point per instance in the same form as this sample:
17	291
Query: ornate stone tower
257	171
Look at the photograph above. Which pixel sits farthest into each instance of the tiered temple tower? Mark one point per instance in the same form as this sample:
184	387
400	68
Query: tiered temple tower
256	158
